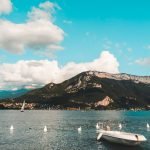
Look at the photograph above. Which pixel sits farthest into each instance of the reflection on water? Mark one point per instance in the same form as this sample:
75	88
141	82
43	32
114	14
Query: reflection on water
62	130
112	146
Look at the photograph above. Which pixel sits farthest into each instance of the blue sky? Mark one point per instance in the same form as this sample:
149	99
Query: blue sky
90	27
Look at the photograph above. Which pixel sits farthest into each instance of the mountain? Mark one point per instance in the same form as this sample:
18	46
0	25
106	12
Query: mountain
12	93
93	90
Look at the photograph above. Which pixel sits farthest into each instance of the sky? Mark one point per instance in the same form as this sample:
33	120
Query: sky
44	41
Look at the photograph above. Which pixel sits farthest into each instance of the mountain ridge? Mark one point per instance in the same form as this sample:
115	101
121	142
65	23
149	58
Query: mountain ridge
93	90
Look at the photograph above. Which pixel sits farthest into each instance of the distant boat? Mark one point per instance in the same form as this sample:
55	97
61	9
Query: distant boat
22	108
124	138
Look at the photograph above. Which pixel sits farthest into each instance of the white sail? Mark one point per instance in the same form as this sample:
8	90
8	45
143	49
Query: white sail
23	105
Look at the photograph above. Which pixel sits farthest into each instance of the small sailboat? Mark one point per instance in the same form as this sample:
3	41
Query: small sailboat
22	108
45	128
130	139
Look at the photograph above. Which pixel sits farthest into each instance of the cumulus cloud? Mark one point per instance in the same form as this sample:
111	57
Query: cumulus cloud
143	61
27	73
105	63
38	32
5	6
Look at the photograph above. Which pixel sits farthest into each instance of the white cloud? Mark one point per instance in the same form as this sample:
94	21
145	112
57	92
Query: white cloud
106	62
5	6
47	5
39	32
42	72
44	12
143	61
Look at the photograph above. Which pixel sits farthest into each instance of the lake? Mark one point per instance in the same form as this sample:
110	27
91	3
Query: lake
62	127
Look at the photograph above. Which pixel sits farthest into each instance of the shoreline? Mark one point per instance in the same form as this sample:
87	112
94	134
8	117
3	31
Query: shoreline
82	110
39	106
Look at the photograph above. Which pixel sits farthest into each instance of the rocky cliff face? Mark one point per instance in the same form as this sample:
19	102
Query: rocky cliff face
122	76
96	90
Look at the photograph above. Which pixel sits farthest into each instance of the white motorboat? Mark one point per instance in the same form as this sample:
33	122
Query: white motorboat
118	137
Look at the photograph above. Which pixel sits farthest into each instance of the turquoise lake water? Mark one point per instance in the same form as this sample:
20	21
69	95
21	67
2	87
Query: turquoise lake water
62	129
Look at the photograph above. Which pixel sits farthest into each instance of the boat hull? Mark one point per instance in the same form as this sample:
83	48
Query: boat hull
120	141
124	138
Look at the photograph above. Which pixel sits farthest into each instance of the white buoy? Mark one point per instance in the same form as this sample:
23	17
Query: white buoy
11	128
45	128
147	126
97	126
120	126
79	129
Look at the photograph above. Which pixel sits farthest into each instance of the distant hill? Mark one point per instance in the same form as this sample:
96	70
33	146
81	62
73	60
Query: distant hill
94	90
12	93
